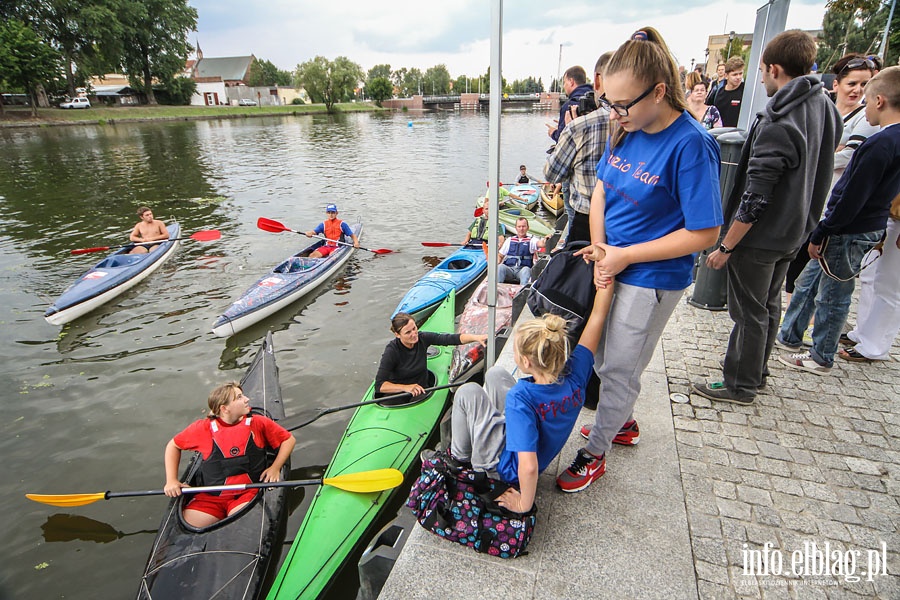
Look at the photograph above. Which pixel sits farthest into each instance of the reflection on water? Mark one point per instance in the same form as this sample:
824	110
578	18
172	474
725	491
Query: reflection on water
91	405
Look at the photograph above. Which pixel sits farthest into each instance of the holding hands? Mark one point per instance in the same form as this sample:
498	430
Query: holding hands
609	261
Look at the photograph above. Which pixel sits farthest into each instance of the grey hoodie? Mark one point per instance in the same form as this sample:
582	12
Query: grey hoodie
788	158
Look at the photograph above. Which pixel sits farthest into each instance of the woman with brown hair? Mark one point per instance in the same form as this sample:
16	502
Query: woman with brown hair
656	203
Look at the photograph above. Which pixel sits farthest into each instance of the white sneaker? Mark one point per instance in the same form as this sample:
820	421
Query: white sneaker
804	362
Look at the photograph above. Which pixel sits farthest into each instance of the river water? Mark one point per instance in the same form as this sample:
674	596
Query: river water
89	407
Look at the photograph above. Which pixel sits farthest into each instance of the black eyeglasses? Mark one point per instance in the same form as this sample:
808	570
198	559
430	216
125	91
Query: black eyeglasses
622	109
858	63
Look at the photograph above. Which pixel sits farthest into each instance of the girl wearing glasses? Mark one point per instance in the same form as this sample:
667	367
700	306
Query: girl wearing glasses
656	203
852	72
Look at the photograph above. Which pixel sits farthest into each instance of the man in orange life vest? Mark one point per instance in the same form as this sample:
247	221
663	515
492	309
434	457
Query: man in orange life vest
333	229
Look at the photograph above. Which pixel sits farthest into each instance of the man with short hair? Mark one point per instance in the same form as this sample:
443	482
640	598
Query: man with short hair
728	97
575	86
575	158
333	229
783	177
148	229
518	254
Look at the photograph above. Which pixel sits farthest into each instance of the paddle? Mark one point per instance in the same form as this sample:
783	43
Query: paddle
362	482
276	227
439	244
382	399
201	236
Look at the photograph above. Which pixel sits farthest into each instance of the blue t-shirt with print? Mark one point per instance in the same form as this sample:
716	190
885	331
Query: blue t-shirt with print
657	183
540	417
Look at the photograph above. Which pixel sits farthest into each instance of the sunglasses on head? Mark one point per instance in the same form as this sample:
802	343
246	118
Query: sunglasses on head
858	63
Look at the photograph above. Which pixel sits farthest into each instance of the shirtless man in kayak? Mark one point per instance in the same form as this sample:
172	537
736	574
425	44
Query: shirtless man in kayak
147	230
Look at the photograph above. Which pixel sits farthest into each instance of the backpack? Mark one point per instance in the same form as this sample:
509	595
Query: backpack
566	288
458	504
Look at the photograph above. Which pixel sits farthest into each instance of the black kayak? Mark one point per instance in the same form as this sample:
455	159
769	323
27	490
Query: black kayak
232	558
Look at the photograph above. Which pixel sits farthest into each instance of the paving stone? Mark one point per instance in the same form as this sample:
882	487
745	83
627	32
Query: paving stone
787	485
733	509
798	522
710	550
753	495
818	491
745	446
711	573
725	489
765	515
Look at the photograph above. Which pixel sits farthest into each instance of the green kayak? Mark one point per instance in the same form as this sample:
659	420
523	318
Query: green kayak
377	437
536	225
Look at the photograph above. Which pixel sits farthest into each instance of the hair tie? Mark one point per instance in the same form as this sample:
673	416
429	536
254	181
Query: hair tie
640	36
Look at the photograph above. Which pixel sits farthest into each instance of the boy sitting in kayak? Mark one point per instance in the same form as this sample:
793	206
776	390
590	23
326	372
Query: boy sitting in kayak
147	230
333	229
478	230
233	446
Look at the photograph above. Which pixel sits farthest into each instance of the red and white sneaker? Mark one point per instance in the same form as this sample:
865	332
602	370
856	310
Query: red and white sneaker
584	470
629	435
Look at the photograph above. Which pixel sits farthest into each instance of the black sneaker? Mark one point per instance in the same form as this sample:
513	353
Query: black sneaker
718	391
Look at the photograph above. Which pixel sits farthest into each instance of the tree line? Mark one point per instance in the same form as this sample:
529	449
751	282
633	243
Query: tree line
52	46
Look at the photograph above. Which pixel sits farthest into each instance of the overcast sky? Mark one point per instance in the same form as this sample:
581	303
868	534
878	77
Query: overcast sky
424	33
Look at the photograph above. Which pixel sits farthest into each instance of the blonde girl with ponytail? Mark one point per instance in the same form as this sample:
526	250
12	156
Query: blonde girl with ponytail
513	430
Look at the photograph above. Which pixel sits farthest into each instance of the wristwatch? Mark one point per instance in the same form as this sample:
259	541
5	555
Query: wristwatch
725	249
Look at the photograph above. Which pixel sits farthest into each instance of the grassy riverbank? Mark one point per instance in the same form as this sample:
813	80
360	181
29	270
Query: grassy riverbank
21	117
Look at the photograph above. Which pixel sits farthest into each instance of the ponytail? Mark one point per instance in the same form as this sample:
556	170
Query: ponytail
647	57
544	343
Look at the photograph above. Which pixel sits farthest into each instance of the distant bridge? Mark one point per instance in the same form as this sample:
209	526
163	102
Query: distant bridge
475	101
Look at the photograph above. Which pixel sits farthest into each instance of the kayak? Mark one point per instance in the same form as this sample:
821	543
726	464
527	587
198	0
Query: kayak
468	358
377	437
458	272
552	203
290	280
536	226
109	278
232	558
524	196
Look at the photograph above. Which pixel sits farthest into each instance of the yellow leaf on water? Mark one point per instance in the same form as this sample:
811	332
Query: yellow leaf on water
43	565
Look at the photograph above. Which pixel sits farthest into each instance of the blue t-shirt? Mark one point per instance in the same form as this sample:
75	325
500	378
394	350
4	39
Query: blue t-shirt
656	184
540	417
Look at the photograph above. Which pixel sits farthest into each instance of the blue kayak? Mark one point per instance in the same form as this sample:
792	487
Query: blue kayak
524	196
286	283
108	278
459	272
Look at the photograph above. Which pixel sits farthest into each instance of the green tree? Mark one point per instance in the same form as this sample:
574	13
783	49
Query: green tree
412	82
328	82
87	35
26	60
155	40
436	80
853	26
264	73
379	89
177	91
379	71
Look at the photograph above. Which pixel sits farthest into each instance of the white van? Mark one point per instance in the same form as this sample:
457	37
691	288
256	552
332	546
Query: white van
76	103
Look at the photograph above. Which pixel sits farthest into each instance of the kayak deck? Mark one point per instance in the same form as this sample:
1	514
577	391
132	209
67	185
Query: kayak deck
232	558
376	437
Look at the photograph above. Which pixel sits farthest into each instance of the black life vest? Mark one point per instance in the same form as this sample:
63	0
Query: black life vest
235	458
520	254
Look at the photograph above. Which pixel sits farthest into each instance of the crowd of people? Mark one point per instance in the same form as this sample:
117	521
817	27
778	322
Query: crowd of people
817	187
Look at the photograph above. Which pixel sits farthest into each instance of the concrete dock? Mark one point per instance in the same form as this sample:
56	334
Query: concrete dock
796	496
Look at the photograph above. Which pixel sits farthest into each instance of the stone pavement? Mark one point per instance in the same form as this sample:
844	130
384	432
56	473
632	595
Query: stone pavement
796	496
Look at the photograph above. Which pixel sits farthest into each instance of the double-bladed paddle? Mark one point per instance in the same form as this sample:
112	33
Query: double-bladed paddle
440	244
276	227
382	399
201	236
362	482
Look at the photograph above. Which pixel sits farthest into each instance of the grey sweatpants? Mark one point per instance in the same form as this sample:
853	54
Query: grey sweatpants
635	323
478	422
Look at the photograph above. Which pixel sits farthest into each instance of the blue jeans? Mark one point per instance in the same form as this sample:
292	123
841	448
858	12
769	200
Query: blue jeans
507	274
570	210
829	299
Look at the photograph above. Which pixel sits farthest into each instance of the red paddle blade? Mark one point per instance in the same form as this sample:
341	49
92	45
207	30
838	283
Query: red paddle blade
479	211
382	251
89	250
270	225
438	244
207	236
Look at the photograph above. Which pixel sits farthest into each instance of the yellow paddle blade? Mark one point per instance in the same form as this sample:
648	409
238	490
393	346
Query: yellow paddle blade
366	481
66	500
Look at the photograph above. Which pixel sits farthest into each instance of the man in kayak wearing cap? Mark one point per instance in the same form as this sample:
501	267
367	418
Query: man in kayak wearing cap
333	229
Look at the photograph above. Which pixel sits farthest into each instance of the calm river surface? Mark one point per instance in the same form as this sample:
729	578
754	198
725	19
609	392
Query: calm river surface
89	407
